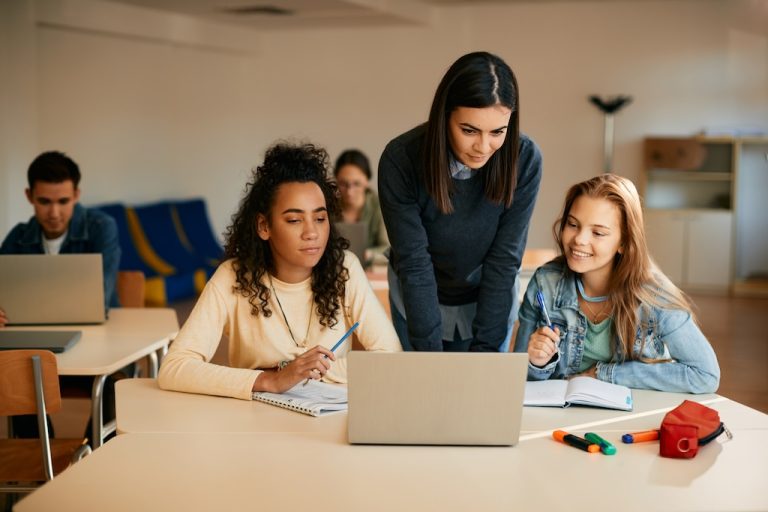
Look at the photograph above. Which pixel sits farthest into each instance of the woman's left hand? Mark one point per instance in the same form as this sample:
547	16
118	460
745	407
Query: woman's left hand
589	372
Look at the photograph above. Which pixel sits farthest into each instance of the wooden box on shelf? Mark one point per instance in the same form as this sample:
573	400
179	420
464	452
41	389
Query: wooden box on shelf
705	211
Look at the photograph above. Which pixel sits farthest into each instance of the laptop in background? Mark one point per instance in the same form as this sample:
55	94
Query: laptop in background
40	289
435	398
55	341
357	234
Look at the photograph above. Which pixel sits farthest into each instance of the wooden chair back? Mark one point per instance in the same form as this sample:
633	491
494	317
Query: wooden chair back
17	382
131	287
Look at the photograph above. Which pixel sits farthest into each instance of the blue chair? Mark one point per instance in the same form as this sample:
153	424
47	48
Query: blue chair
164	283
195	222
130	258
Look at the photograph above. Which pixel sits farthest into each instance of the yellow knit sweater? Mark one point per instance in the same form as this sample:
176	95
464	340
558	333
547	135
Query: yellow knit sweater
261	342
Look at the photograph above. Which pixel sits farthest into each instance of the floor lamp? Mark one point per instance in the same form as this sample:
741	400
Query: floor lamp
609	107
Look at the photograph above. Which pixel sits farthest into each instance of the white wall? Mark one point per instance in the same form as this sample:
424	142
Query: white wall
18	106
149	120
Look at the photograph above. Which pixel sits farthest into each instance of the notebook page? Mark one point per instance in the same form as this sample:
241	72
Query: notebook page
589	391
545	393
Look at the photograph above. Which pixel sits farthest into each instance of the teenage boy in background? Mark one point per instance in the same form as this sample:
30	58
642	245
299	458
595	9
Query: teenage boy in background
62	226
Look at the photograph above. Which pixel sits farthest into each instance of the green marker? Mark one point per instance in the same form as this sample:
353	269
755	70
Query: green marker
605	447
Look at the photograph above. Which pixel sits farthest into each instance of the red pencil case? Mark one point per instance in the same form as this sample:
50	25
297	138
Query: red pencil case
687	427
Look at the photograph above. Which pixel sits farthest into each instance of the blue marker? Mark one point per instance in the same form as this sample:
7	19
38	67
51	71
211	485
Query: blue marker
543	308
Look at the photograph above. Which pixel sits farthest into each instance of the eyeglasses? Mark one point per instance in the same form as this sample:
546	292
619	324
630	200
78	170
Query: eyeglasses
351	184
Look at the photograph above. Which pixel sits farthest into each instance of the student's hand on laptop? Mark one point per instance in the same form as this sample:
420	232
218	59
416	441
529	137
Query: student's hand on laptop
3	318
312	364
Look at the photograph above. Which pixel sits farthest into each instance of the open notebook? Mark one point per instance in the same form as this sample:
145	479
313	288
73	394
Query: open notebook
578	391
316	398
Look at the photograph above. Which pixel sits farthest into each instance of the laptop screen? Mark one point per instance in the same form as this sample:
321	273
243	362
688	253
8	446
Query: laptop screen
357	234
39	289
436	397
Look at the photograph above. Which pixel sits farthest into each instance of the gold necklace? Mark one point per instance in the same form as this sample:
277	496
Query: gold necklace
290	331
595	316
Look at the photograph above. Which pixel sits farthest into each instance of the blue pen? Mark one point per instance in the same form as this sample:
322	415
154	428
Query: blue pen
338	343
545	313
346	335
543	308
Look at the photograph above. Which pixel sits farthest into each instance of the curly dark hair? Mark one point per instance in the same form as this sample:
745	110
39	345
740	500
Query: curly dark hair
286	163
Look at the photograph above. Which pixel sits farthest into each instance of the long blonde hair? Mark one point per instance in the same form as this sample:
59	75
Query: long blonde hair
636	282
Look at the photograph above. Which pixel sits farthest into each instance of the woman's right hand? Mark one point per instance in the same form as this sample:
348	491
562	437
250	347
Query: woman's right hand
312	364
3	318
542	345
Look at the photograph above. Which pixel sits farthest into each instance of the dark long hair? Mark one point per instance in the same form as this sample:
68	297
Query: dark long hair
475	80
285	163
353	157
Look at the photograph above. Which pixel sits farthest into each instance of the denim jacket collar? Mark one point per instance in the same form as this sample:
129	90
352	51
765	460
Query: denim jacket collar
566	295
77	229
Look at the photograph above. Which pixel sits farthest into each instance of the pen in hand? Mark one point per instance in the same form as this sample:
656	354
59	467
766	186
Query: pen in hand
338	343
543	308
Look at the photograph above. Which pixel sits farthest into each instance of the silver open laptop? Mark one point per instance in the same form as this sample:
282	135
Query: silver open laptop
443	398
38	289
357	234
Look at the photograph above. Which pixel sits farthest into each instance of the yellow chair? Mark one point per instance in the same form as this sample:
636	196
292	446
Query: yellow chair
29	384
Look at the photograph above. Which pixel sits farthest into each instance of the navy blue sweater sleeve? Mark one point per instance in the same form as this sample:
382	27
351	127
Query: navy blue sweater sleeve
401	206
502	261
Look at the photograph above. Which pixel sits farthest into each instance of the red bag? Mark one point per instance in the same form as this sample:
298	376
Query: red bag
688	426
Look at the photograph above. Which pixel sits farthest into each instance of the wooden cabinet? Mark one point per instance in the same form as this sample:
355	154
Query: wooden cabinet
692	247
706	208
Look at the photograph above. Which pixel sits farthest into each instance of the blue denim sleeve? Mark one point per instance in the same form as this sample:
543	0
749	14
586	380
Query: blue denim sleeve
693	369
529	318
10	244
102	232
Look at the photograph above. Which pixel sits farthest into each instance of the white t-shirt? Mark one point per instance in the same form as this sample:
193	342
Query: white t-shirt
53	245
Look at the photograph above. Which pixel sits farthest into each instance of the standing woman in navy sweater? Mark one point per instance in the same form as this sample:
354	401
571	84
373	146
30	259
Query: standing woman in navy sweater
457	194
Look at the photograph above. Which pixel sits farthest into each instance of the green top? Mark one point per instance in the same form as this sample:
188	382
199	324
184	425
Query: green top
597	344
378	241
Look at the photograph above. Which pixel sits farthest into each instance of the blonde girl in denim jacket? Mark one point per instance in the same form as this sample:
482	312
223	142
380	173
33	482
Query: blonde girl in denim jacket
614	315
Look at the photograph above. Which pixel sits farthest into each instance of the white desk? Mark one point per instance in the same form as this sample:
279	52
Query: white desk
129	335
142	407
300	471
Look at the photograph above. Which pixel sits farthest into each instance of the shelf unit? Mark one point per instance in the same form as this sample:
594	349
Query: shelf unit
706	211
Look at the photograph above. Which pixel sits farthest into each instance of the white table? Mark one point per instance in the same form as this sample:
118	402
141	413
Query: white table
142	407
303	471
128	335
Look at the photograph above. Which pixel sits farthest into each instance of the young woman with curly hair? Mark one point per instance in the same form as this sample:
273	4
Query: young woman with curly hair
287	292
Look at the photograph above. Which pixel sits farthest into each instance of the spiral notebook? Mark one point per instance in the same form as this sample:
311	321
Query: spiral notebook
316	398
